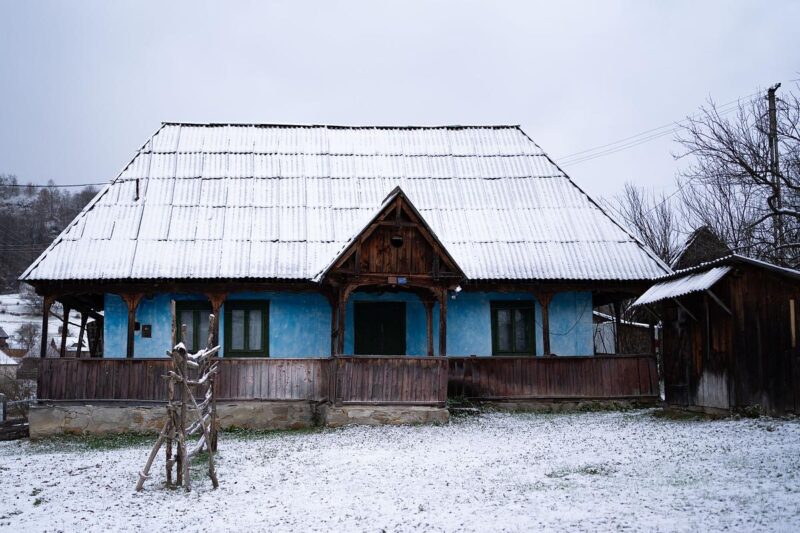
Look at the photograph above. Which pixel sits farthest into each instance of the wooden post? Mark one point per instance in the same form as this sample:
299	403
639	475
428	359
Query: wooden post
64	329
617	321
132	301
47	302
344	294
442	322
544	298
429	324
81	332
334	327
653	339
216	299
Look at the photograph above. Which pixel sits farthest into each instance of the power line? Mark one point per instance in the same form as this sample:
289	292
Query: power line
641	137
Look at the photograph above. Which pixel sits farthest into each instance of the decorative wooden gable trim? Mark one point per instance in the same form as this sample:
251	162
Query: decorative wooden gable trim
396	243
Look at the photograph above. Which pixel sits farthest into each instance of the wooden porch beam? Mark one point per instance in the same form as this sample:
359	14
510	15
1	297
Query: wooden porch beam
64	329
617	321
428	303
132	301
47	303
442	322
544	298
81	333
216	299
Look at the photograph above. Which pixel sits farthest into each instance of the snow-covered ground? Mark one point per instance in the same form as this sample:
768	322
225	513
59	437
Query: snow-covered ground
496	472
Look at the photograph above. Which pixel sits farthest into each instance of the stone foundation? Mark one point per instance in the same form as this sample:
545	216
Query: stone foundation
106	418
566	406
375	415
48	419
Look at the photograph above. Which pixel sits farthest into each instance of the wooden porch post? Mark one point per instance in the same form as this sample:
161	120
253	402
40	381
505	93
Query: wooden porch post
47	302
132	301
64	328
544	301
442	322
344	294
617	313
429	324
216	299
81	332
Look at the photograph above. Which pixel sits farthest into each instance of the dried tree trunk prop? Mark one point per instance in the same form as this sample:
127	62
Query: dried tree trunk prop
191	374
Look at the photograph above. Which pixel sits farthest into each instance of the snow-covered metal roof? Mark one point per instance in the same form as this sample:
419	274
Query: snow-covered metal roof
683	285
270	201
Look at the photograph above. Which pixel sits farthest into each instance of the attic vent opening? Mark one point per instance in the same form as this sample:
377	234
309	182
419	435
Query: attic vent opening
396	240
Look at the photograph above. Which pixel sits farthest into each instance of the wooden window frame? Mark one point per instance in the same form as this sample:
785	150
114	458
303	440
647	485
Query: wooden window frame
497	305
195	306
247	305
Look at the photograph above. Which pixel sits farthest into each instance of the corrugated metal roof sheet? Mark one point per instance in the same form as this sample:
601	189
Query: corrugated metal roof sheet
254	201
683	285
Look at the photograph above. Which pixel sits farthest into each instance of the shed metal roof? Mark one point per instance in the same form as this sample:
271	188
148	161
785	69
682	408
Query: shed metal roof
279	202
682	286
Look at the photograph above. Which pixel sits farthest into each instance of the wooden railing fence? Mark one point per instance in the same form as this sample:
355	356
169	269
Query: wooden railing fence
518	378
363	379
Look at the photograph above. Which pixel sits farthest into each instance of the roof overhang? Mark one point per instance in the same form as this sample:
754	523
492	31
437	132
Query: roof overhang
683	285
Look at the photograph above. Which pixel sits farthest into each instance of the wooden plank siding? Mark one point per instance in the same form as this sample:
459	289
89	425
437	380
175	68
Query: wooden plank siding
140	379
372	379
400	380
546	378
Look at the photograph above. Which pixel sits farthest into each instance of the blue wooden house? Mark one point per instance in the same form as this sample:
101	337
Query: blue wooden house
318	241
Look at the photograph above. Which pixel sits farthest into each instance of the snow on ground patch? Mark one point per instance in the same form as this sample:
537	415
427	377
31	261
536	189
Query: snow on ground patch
495	472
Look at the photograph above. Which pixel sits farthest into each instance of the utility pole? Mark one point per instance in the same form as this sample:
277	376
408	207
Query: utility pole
775	170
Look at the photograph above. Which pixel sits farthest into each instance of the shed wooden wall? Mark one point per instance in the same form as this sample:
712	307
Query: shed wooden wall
721	361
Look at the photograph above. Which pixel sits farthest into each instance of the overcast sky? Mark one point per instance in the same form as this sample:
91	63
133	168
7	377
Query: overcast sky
83	84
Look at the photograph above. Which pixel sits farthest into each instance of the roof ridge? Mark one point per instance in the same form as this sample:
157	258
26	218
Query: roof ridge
344	126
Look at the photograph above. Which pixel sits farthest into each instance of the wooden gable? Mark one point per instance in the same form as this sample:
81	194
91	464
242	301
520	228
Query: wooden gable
397	243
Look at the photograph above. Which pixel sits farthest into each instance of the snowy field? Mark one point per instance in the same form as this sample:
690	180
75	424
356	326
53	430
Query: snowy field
496	472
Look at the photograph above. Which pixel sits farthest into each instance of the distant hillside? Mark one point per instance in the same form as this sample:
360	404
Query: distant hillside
30	218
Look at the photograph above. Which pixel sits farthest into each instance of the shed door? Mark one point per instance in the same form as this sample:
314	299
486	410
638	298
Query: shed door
380	328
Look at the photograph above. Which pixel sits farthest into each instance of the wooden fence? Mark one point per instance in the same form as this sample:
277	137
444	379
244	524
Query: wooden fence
391	380
363	379
547	378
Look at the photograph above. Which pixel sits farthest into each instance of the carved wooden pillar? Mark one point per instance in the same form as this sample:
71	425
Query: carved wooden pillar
344	294
216	299
81	333
442	322
544	298
47	303
332	295
64	329
132	301
428	303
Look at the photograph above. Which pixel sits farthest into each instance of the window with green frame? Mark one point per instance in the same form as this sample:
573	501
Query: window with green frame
193	314
512	328
247	328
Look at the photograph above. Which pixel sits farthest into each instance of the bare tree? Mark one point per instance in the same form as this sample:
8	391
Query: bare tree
652	219
27	335
733	187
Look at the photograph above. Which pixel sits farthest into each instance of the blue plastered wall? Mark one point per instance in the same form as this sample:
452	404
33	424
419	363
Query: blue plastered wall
469	328
299	323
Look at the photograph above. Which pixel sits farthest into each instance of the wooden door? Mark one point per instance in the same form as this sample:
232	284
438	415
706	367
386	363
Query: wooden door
380	328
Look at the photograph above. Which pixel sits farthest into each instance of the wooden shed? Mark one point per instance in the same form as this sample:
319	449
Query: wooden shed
730	335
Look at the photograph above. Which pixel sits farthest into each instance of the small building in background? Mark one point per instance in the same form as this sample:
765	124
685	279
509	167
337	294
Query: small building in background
730	335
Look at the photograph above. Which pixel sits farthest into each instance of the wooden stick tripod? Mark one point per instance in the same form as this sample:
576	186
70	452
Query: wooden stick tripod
185	417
